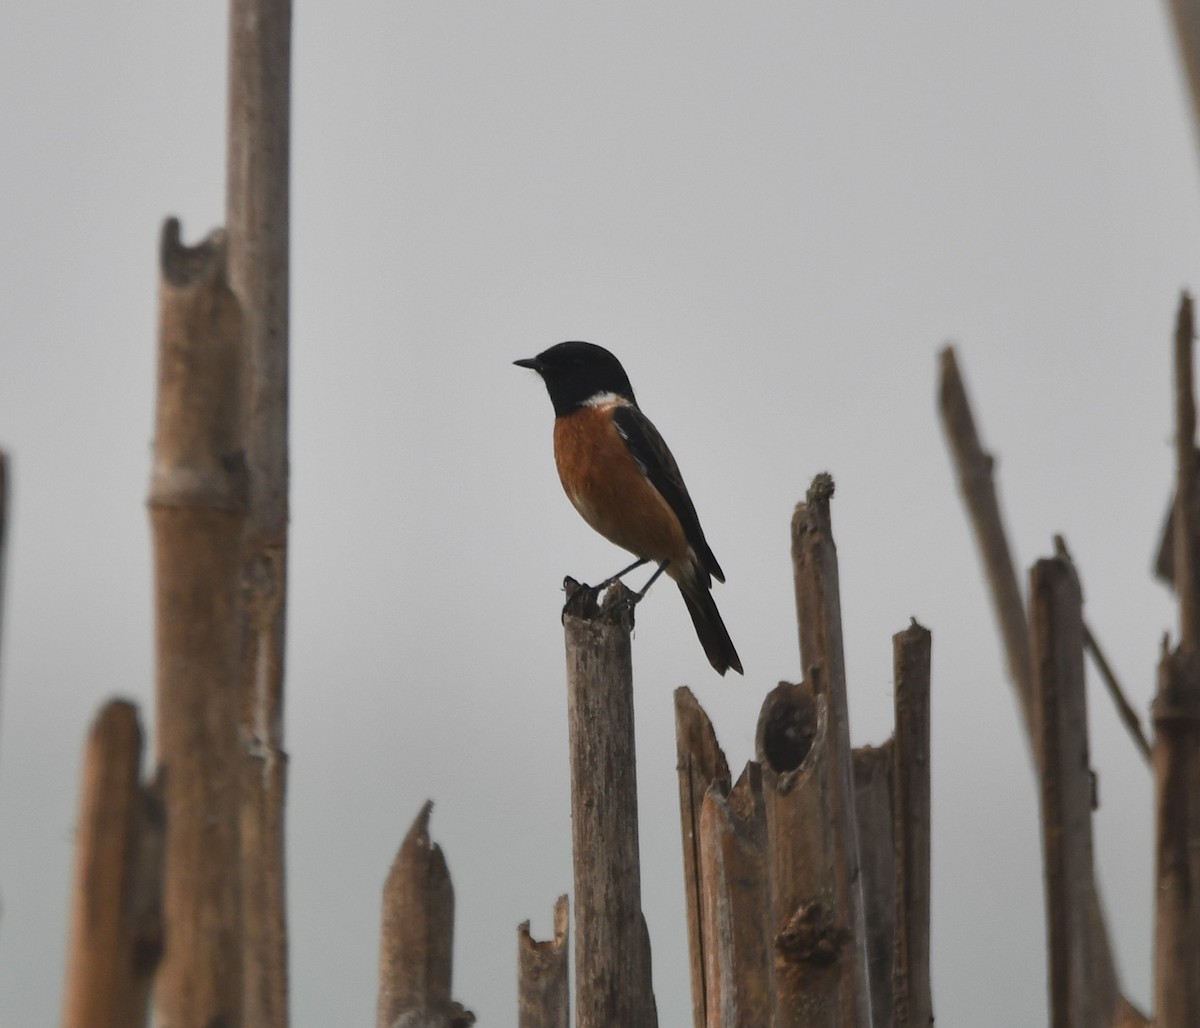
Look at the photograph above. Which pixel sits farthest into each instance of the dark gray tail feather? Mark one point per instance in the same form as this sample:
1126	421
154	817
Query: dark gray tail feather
714	636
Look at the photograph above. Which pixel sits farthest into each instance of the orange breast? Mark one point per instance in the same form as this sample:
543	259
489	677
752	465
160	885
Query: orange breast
607	487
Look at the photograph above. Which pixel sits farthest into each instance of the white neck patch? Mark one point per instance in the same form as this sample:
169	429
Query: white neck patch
604	400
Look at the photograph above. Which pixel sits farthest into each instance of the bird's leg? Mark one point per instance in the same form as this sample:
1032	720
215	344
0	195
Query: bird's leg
637	596
622	573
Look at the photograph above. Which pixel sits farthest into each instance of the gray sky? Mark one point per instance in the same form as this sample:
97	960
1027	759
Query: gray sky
775	215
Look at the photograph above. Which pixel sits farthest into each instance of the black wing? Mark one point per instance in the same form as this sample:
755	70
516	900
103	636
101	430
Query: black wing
653	457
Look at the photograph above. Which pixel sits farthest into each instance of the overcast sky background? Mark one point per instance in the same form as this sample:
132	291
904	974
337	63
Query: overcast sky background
775	215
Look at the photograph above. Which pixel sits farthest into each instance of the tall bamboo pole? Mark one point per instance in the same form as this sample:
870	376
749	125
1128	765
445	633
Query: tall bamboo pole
1066	791
612	947
257	221
116	926
197	506
912	996
1176	714
819	618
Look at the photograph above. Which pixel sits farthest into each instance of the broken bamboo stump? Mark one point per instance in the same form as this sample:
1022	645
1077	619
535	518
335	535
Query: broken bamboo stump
612	946
416	940
197	506
873	799
736	904
700	764
116	924
543	975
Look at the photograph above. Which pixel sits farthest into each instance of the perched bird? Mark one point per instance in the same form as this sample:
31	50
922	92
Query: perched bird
620	476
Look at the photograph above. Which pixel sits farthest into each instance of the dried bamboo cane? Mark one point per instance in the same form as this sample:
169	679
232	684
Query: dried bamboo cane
197	505
1066	791
416	941
700	763
912	998
736	903
819	618
1176	715
1186	17
4	491
257	201
873	798
543	979
612	947
116	931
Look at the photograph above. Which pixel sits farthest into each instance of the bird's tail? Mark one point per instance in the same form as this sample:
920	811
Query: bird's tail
714	636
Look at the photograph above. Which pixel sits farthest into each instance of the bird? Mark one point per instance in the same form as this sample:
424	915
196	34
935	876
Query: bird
621	477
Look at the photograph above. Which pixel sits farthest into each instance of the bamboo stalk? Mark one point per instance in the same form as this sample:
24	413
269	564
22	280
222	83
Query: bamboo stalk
819	618
197	503
543	979
416	941
912	987
1066	791
112	951
257	201
612	947
974	468
1176	715
736	904
4	491
873	788
700	764
811	931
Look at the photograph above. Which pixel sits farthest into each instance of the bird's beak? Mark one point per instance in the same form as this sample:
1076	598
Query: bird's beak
530	362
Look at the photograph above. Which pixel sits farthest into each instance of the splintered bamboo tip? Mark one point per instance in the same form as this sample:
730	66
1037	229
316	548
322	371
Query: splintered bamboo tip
588	603
787	725
183	265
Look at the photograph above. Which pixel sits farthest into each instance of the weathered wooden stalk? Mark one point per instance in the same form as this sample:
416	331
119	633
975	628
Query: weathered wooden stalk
700	763
912	998
1176	715
819	618
612	947
736	904
873	799
116	927
416	941
197	506
543	975
1066	791
257	220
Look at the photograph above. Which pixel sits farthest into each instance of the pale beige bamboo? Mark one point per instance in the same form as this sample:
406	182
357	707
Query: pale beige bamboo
417	937
112	950
912	997
819	618
735	904
257	202
612	947
197	504
700	763
543	975
1176	715
1066	791
873	789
